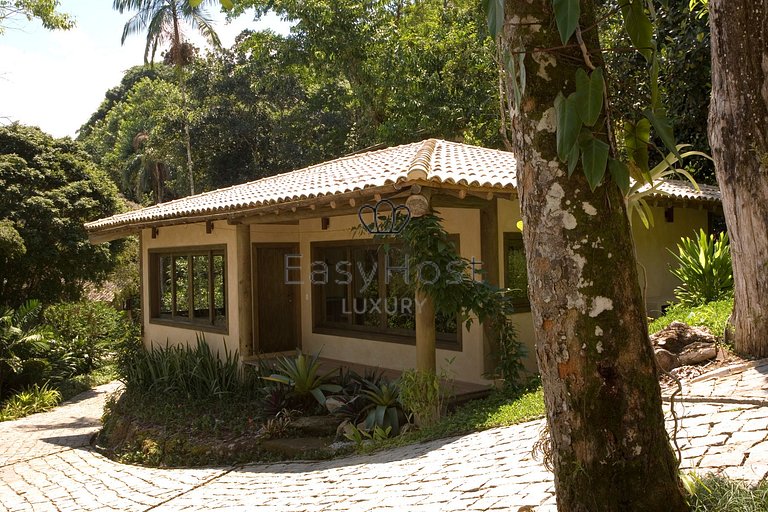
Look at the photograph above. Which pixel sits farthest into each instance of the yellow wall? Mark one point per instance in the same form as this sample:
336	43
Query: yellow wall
467	364
186	236
652	254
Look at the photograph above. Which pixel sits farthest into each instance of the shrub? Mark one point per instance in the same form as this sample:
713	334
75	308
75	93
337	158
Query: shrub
22	341
713	493
301	374
87	332
32	400
714	316
704	269
191	371
420	394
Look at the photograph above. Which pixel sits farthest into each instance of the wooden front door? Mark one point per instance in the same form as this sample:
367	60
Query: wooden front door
276	303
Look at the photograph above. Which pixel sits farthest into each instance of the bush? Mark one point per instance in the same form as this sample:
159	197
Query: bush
420	394
714	493
714	316
23	341
705	269
35	399
183	370
87	332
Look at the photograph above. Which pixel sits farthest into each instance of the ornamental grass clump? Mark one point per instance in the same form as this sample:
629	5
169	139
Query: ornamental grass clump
704	269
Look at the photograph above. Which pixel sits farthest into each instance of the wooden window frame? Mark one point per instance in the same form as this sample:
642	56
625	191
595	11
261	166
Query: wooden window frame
401	336
514	239
188	322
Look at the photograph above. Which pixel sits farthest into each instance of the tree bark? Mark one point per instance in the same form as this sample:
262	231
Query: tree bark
610	450
738	136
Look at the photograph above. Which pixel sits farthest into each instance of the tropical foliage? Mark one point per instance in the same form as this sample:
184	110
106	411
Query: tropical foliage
48	189
46	11
704	269
301	375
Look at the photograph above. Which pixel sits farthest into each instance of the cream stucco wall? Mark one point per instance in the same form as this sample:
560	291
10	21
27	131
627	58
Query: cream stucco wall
466	364
652	253
653	246
190	235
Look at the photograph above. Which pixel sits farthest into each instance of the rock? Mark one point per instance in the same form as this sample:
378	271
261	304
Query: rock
315	425
678	335
333	403
666	359
697	352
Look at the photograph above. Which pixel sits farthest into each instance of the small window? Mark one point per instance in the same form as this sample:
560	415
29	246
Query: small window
187	286
515	271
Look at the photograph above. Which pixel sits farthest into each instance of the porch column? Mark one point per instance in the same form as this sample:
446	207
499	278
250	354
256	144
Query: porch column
489	253
426	353
244	286
426	350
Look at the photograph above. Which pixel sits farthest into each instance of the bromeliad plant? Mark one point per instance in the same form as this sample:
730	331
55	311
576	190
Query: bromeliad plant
384	409
302	375
704	269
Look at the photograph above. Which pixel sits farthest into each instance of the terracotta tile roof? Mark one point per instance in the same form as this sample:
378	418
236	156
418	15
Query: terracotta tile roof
686	190
430	160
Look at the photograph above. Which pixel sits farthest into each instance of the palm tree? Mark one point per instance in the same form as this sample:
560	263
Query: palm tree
162	20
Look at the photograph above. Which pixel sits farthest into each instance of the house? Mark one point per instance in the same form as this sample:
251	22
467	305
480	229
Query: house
281	262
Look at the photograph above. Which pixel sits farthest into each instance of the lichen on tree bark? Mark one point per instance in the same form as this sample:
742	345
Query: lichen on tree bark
610	449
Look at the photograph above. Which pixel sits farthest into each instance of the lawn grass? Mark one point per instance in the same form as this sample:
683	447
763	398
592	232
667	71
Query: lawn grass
713	315
501	409
713	493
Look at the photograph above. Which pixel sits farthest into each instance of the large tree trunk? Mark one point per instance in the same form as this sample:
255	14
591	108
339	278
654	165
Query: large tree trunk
610	450
738	136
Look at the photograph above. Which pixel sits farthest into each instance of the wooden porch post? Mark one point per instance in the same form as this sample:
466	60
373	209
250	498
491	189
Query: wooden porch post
426	353
489	252
244	293
426	349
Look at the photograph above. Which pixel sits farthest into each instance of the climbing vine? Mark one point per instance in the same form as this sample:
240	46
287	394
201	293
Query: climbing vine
458	291
588	131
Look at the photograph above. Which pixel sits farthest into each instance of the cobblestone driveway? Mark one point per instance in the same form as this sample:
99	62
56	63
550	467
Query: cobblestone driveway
46	463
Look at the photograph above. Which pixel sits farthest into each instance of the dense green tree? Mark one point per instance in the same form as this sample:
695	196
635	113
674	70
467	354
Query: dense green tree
44	10
415	68
682	33
162	21
48	189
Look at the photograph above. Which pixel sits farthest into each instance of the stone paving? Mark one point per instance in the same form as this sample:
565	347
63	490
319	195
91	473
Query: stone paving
46	463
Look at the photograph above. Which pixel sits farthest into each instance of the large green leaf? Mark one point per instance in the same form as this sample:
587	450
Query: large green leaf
573	159
589	95
594	159
638	27
620	174
663	127
568	125
494	11
636	140
567	14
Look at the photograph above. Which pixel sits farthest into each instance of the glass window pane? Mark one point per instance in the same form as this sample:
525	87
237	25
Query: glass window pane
200	288
400	306
182	285
219	291
516	273
335	306
165	289
366	306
